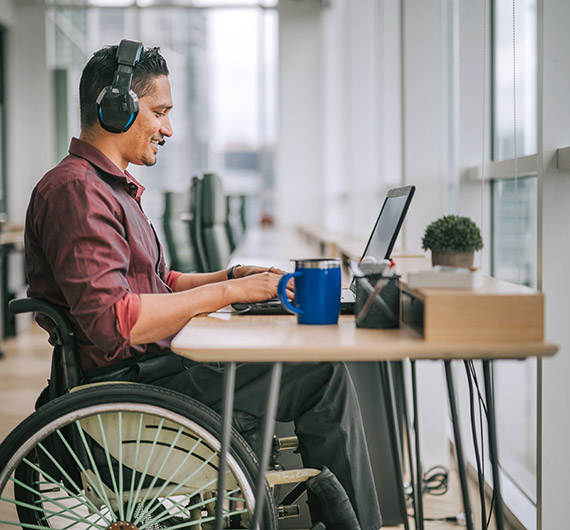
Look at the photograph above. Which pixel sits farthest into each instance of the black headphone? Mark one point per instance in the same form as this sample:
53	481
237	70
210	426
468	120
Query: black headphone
118	105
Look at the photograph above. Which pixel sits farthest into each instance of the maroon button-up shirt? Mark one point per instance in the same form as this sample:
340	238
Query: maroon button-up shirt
91	250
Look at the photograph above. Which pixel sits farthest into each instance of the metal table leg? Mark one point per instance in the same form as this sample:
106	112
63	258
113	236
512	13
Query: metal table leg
418	489
401	386
493	446
391	413
268	430
227	413
458	446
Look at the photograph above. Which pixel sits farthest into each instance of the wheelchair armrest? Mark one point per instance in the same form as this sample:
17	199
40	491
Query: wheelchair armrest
35	305
66	370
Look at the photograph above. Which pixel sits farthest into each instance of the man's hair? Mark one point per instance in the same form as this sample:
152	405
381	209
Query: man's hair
100	70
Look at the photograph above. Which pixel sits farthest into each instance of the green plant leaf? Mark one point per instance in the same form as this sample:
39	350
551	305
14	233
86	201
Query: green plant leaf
452	233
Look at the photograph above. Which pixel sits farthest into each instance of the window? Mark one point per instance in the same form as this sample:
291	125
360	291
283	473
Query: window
514	256
515	383
526	72
222	63
514	236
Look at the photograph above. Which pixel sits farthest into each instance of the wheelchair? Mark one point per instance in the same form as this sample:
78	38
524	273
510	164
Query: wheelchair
126	456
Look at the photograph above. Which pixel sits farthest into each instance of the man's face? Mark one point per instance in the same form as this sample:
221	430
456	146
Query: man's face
151	126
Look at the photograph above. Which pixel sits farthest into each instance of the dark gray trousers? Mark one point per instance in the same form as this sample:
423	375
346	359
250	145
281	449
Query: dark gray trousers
320	399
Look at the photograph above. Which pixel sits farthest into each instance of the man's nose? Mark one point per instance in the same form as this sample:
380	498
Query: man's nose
166	127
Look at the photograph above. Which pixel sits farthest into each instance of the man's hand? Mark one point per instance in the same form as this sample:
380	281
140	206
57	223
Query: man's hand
248	270
258	286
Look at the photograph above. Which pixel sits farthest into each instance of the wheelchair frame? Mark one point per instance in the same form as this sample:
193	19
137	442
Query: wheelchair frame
125	456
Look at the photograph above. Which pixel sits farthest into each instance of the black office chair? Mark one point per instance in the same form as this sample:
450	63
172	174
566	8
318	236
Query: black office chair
176	226
235	219
195	224
214	223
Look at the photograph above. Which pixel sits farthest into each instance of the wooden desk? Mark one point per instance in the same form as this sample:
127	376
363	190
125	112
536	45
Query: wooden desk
227	337
232	338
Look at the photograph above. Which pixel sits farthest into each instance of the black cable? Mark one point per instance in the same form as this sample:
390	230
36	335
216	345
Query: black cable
491	509
479	393
480	473
436	481
480	466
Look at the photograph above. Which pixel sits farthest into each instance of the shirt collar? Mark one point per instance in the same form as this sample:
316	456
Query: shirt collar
99	160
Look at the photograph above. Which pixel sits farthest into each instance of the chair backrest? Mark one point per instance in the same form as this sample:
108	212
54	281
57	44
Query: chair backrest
175	222
65	365
195	224
235	218
214	222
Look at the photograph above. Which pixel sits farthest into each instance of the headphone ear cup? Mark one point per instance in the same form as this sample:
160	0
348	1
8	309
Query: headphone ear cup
117	109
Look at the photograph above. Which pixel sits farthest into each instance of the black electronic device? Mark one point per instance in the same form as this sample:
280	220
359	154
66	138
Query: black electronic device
378	248
118	105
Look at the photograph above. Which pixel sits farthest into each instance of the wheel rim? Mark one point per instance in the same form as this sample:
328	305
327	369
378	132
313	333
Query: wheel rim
132	463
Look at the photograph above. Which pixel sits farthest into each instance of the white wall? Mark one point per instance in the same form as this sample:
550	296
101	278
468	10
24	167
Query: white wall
299	164
425	132
554	132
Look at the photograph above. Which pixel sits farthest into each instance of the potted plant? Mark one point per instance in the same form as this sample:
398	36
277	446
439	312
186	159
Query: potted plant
453	241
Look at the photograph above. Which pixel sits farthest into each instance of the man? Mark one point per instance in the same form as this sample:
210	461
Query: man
91	250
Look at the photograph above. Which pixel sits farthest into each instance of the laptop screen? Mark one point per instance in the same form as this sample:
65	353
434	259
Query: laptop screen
388	224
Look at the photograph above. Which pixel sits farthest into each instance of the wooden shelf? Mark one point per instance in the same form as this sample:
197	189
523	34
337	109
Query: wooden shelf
498	312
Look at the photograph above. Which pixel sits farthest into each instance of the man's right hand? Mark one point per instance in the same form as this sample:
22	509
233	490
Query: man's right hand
258	287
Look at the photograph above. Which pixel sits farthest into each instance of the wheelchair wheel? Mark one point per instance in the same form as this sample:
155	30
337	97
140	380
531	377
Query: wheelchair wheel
125	457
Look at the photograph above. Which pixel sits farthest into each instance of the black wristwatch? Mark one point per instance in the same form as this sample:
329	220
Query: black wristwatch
231	270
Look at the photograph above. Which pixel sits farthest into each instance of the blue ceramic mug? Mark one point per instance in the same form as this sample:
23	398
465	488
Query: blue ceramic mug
317	291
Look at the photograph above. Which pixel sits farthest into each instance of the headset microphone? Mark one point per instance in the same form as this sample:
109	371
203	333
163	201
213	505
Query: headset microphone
118	105
162	142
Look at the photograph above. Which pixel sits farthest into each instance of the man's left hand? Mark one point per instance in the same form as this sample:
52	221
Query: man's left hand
249	270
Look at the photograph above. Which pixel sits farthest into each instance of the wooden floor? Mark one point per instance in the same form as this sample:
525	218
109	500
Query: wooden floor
24	371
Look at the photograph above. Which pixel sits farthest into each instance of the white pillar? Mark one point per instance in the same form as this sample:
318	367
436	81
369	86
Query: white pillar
554	132
299	155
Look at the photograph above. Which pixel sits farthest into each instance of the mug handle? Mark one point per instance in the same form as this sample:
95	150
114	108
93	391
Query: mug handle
283	297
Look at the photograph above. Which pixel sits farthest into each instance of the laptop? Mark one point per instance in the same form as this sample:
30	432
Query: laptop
379	247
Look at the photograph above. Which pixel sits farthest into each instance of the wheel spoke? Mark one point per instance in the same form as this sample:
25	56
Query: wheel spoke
41	495
158	472
132	499
64	513
100	492
175	472
149	458
122	453
77	460
189	478
118	494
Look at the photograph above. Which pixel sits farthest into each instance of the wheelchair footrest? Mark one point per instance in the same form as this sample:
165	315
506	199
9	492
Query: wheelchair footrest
290	476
